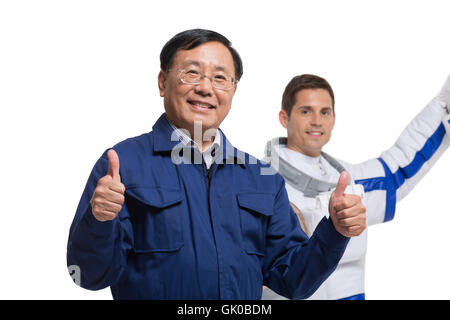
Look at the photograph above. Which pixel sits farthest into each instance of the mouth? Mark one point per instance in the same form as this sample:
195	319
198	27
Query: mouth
201	105
315	133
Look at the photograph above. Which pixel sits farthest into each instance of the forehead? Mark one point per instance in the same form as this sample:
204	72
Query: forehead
313	98
207	55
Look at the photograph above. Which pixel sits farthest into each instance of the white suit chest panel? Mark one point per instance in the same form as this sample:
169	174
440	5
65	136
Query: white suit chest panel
312	214
313	210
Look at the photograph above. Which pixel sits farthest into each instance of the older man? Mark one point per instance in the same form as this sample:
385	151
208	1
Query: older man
308	114
193	218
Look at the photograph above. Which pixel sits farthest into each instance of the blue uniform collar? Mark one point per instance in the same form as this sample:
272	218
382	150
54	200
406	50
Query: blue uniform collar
162	142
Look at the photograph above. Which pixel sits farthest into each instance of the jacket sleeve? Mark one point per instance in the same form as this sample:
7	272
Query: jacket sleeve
396	172
97	250
295	266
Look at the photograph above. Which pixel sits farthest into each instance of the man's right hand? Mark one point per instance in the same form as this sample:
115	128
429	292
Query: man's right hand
108	197
347	212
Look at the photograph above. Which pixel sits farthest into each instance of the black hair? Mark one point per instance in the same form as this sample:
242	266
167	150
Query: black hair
193	38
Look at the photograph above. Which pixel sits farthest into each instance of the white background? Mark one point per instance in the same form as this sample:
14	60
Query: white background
76	77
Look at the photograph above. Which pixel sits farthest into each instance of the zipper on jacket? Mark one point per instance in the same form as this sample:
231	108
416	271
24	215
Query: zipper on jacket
208	188
207	174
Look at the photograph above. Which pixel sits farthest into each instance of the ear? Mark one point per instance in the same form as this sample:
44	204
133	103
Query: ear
284	118
162	77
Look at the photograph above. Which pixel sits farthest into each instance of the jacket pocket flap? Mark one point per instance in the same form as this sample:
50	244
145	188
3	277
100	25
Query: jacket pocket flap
258	202
155	197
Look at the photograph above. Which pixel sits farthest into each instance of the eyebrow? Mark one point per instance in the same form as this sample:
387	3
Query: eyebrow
309	108
197	64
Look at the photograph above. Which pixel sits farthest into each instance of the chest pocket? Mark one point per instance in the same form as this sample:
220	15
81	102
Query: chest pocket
255	210
156	216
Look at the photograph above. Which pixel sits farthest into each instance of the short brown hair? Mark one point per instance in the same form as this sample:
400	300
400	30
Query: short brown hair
298	83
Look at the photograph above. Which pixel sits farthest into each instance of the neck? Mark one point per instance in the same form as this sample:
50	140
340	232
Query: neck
203	137
312	154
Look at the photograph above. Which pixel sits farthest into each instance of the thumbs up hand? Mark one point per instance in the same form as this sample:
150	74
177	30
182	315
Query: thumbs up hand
347	212
108	197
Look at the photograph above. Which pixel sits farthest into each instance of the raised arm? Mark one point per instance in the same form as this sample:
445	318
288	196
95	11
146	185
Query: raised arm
396	172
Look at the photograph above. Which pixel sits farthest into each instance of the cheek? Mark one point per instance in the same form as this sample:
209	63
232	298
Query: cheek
330	126
224	101
294	130
299	125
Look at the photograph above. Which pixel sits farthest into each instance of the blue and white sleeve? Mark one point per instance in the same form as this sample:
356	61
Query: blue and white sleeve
396	172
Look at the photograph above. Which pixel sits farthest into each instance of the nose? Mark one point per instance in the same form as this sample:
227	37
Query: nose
205	87
316	119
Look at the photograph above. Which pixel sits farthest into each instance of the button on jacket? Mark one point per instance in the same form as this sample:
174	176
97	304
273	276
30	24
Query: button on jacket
185	232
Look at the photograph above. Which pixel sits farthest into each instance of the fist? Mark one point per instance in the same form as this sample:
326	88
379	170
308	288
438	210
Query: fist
108	197
347	212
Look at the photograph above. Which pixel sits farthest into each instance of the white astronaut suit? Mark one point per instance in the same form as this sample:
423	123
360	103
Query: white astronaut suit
382	182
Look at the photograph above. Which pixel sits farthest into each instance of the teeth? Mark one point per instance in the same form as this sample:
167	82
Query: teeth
315	133
201	105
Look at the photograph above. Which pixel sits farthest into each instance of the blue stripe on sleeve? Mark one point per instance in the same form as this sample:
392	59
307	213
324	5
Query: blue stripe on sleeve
425	153
360	296
391	182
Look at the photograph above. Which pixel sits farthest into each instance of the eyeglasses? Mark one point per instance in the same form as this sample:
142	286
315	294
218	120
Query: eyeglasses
218	80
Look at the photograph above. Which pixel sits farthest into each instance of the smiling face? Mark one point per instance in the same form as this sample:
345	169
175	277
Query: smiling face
189	103
310	123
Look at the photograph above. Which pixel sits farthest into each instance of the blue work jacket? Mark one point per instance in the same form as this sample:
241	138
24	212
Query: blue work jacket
188	233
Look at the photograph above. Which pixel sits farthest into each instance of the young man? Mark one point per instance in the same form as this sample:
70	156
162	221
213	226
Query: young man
308	114
159	226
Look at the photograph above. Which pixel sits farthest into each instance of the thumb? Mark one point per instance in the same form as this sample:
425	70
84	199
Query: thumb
113	160
342	184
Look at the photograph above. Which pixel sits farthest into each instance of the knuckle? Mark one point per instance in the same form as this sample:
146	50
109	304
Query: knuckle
343	213
346	202
100	191
341	202
103	180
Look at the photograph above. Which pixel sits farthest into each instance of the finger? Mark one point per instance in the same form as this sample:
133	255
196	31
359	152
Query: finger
356	230
103	214
350	222
114	197
102	217
117	187
108	206
342	184
347	201
113	160
353	211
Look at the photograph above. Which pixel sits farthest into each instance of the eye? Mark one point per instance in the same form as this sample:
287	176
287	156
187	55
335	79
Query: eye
305	111
192	72
220	77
